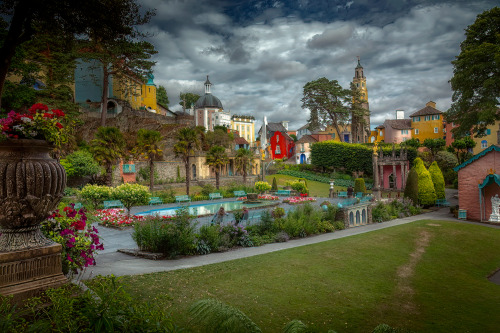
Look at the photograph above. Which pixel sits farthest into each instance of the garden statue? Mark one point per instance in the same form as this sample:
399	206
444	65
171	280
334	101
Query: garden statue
495	206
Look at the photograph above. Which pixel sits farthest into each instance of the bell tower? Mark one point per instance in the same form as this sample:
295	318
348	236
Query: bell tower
360	127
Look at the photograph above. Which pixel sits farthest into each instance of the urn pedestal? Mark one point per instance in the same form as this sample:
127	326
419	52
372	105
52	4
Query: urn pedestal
31	186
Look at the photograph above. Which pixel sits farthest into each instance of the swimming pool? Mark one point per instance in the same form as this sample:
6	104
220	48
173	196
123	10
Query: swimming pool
208	208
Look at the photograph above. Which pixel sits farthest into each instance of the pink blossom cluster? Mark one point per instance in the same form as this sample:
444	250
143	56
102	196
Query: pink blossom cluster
268	197
241	198
116	217
298	200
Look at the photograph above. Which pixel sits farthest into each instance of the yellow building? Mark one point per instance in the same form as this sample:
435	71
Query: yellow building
492	137
427	123
378	134
245	125
127	88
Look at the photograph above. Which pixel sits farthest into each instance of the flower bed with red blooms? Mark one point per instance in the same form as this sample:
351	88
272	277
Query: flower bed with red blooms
116	217
38	123
78	238
298	200
267	197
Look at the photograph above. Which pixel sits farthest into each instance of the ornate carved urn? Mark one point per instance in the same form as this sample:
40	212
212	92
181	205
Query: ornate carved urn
31	186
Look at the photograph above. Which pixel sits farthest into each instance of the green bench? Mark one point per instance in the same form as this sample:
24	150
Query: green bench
283	192
342	194
113	204
180	198
239	194
442	203
359	195
213	196
155	201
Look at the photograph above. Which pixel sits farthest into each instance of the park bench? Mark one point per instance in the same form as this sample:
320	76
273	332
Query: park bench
359	195
213	196
239	194
179	198
442	203
155	201
342	194
283	192
112	204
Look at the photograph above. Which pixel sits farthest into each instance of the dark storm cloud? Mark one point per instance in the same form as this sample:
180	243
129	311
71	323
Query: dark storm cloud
259	54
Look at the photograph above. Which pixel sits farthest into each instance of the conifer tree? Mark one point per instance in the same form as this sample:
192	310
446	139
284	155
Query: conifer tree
411	188
275	185
438	180
426	192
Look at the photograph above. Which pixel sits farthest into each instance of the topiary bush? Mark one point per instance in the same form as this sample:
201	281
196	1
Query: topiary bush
426	192
96	194
411	188
438	180
274	187
261	187
300	187
359	185
132	195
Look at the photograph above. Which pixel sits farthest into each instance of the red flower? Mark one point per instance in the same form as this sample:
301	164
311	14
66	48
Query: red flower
58	113
38	106
48	115
59	125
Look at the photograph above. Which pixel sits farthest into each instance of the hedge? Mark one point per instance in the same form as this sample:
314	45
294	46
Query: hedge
350	156
321	179
411	188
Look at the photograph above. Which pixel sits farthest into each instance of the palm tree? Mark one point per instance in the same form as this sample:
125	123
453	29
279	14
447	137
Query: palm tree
108	147
188	142
148	147
243	162
217	157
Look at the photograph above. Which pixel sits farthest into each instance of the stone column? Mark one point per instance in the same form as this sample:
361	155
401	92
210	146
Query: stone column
395	175
376	180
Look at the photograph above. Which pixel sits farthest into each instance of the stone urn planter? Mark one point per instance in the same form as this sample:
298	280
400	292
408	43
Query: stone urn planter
31	186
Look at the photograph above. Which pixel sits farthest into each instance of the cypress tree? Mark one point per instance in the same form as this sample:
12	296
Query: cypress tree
426	192
411	188
438	180
275	185
359	185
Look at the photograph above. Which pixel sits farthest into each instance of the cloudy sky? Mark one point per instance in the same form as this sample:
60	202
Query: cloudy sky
259	54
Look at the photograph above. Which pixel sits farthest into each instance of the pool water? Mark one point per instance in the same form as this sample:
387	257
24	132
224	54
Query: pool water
207	209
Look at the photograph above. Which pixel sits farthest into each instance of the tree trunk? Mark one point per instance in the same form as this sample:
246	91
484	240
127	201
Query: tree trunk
217	179
187	175
109	174
151	174
245	176
104	99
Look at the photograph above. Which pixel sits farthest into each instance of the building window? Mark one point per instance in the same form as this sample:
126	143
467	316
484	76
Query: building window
484	144
403	132
436	130
488	131
333	135
278	150
416	131
427	118
277	138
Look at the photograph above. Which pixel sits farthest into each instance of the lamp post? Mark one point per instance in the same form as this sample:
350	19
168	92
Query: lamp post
331	188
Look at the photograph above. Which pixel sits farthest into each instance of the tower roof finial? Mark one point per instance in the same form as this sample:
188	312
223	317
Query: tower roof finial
359	63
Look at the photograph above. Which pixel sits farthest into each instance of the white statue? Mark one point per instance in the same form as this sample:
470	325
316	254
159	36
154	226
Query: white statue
495	206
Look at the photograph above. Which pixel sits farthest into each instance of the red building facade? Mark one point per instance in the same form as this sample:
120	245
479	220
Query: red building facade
282	145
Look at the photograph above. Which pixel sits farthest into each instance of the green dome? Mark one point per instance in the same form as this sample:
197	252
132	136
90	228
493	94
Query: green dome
208	101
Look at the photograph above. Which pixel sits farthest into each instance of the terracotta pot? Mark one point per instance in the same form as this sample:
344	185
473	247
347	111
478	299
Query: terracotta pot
31	185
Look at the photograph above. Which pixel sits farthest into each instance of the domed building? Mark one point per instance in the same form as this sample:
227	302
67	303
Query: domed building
209	112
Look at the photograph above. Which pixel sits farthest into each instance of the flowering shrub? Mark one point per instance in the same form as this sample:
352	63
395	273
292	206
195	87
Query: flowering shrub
77	236
241	198
39	123
298	186
132	195
298	200
262	186
116	217
268	197
238	235
96	193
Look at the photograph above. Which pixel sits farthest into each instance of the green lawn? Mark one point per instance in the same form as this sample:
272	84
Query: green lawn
316	189
353	284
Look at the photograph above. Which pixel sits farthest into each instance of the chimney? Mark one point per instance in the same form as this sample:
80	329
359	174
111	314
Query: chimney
400	114
431	104
285	124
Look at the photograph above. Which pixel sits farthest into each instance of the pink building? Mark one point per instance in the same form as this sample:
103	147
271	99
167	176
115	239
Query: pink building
396	130
478	181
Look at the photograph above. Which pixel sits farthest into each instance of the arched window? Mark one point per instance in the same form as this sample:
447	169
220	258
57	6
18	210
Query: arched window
193	168
484	144
351	218
363	216
357	217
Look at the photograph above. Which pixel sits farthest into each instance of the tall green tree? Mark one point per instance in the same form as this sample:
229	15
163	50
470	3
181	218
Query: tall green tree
27	19
328	103
188	100
434	146
462	147
188	142
437	180
426	191
107	148
117	57
476	76
243	162
161	96
218	137
217	158
148	147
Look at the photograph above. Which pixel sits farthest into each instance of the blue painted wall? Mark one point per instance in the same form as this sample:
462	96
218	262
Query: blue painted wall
88	82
